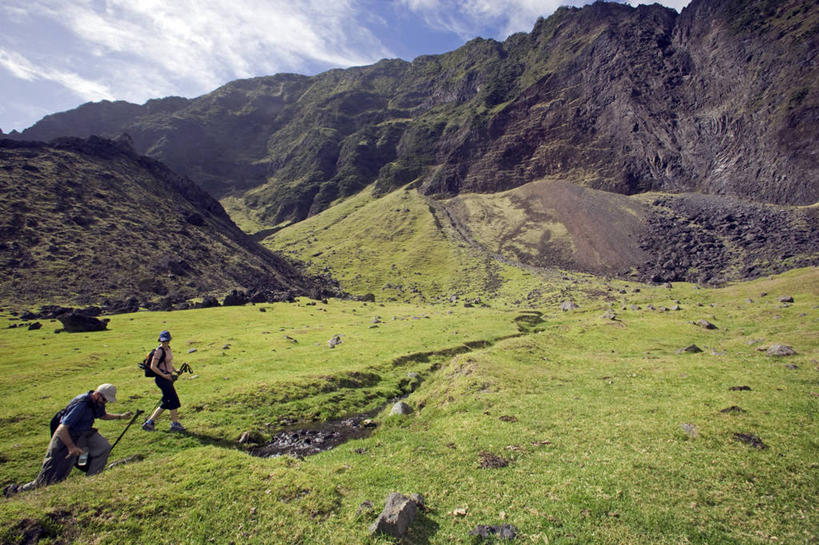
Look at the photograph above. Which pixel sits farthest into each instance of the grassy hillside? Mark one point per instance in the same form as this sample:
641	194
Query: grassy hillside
610	435
396	248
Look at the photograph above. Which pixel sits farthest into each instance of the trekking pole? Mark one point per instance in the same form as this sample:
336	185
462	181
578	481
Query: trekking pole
139	412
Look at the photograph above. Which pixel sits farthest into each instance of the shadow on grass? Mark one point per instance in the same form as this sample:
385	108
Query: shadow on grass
421	531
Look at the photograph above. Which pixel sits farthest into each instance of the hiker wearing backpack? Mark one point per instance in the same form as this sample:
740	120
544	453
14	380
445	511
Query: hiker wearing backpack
164	376
75	439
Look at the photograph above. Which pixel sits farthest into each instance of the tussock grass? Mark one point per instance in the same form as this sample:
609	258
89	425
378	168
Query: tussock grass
588	412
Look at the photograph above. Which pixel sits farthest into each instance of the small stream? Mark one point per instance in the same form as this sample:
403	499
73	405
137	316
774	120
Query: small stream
301	441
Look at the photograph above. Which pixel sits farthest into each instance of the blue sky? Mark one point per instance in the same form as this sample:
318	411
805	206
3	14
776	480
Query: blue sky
58	54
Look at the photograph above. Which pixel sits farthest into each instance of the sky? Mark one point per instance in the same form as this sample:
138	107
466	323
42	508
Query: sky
58	54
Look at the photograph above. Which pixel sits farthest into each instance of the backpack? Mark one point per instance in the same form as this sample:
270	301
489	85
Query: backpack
55	420
145	364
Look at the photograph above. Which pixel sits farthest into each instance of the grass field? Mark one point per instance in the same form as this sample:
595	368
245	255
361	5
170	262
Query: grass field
608	432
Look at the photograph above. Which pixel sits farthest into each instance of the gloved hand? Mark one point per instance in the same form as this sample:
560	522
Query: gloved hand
174	377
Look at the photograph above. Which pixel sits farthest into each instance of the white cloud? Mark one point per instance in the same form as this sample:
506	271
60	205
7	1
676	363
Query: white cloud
148	48
24	69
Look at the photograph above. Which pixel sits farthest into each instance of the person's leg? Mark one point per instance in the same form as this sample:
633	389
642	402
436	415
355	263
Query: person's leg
170	401
175	425
55	465
98	450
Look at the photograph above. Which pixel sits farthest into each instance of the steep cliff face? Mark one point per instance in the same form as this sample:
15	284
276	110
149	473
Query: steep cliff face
719	99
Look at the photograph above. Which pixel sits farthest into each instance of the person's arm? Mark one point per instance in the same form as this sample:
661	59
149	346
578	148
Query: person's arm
155	365
120	416
65	437
169	362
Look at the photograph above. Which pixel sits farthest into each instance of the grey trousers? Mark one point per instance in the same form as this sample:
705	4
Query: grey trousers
56	466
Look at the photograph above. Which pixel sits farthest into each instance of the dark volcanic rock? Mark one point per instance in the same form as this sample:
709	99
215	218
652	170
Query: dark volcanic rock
76	322
506	531
698	238
235	299
751	440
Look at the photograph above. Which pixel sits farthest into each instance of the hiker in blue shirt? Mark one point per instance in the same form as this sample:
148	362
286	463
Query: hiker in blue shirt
74	435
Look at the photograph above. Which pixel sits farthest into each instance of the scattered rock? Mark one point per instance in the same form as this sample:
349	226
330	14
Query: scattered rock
366	507
732	410
751	440
566	306
76	322
487	460
740	388
35	326
609	315
785	299
191	350
690	349
792	367
399	512
692	430
335	341
235	299
208	301
777	350
508	418
400	408
705	324
507	531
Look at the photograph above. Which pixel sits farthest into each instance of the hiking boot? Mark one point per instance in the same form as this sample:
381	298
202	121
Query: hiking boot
176	426
148	425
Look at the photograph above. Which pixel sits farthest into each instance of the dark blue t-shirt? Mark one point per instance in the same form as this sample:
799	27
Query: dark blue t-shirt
81	413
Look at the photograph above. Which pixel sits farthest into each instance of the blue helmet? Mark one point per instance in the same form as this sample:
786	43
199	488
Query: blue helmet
165	336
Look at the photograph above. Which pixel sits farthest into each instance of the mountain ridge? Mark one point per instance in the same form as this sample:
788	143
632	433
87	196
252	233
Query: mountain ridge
607	96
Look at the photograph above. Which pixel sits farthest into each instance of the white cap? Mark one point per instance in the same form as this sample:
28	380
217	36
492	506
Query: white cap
108	391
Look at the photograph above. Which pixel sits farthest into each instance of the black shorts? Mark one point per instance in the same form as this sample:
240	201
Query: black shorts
170	400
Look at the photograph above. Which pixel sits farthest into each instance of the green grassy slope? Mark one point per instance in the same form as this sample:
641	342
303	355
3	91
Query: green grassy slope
588	413
399	248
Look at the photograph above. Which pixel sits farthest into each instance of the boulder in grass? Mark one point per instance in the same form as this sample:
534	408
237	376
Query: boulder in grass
76	322
705	324
690	349
566	306
400	408
777	350
399	512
